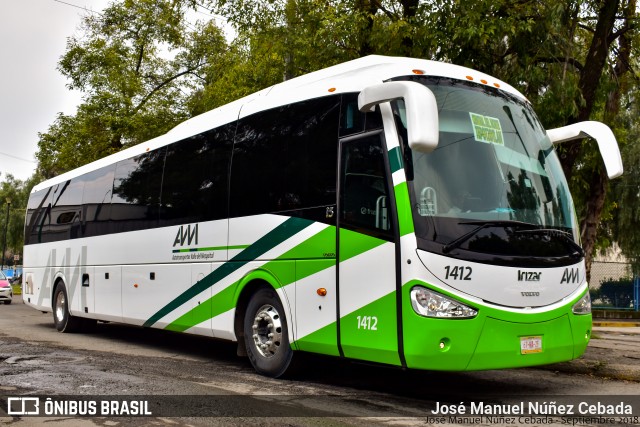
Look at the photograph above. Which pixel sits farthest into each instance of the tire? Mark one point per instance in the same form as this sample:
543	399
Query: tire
62	319
266	334
7	302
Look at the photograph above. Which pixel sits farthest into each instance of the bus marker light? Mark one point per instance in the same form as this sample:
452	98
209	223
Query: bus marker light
135	285
333	89
496	84
322	292
469	78
483	81
418	72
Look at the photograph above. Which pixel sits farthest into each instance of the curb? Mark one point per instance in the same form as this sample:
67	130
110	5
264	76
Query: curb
615	324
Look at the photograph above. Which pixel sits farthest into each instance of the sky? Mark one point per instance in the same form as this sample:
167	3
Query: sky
33	37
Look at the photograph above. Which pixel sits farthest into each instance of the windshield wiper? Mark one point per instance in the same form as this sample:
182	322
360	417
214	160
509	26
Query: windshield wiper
553	232
482	225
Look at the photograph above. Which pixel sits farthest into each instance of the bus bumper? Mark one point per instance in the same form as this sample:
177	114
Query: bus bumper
495	339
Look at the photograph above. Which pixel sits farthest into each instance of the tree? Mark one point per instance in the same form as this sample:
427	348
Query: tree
136	63
17	193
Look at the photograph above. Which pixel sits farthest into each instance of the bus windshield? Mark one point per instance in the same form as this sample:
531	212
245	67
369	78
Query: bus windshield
494	185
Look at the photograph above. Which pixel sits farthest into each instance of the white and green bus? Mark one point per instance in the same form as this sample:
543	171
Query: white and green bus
391	210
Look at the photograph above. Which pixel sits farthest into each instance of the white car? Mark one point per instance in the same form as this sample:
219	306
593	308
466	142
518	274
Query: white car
6	291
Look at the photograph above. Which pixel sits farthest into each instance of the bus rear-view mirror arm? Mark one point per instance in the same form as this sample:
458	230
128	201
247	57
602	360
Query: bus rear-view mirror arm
607	143
421	110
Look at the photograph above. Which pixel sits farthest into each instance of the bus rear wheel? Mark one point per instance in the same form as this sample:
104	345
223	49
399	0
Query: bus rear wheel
63	320
266	334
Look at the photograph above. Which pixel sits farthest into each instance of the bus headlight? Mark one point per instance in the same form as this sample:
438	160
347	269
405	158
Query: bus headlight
432	304
583	306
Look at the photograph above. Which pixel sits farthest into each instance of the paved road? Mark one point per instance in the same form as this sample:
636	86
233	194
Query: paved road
190	376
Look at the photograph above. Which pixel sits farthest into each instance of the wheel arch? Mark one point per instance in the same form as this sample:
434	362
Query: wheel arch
246	288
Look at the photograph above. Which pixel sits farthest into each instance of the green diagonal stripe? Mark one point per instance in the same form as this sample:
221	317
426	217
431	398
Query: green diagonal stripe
223	301
273	238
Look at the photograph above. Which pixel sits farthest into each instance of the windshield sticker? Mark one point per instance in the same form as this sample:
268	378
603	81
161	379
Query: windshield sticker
487	129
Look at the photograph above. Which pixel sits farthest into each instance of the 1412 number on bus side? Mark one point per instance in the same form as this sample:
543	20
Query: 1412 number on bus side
368	322
457	272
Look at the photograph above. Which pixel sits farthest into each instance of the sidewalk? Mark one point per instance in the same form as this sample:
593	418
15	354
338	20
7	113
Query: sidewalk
613	352
613	323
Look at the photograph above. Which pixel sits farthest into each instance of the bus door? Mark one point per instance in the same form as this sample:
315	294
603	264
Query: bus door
366	251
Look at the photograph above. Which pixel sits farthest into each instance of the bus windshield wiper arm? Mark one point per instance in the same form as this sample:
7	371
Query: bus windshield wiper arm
481	225
566	237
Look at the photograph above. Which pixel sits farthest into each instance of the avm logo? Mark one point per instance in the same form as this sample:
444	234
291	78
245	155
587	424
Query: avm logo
570	275
188	235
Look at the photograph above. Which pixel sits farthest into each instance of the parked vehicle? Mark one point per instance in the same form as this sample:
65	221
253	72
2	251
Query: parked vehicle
6	291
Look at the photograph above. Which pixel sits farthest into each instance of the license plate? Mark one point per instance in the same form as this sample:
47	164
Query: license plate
529	345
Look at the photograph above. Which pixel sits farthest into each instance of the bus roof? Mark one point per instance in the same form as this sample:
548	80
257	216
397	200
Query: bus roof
351	76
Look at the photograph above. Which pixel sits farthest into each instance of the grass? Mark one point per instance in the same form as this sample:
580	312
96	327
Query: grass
17	289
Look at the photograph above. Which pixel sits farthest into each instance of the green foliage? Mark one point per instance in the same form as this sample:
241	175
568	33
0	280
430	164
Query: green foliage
15	193
615	292
137	63
625	196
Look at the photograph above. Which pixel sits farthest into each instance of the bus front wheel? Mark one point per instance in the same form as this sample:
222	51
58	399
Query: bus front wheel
63	320
266	334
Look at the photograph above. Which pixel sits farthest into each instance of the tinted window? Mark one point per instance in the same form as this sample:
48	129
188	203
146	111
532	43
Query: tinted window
136	192
196	174
66	211
96	201
38	215
365	205
353	121
284	160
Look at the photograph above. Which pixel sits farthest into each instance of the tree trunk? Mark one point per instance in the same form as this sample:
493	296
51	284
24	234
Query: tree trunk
589	83
368	9
290	14
589	225
409	11
590	78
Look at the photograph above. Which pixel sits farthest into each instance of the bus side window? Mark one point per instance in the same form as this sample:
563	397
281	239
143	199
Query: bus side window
96	201
38	216
284	160
365	204
353	121
196	174
136	192
66	208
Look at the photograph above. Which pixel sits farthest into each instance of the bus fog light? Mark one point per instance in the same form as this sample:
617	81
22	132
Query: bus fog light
583	306
428	303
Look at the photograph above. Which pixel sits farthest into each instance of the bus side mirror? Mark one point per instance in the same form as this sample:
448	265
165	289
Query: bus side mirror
607	143
421	110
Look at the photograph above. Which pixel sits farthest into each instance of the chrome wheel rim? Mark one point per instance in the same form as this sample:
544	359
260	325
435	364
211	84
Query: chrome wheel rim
267	331
61	303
